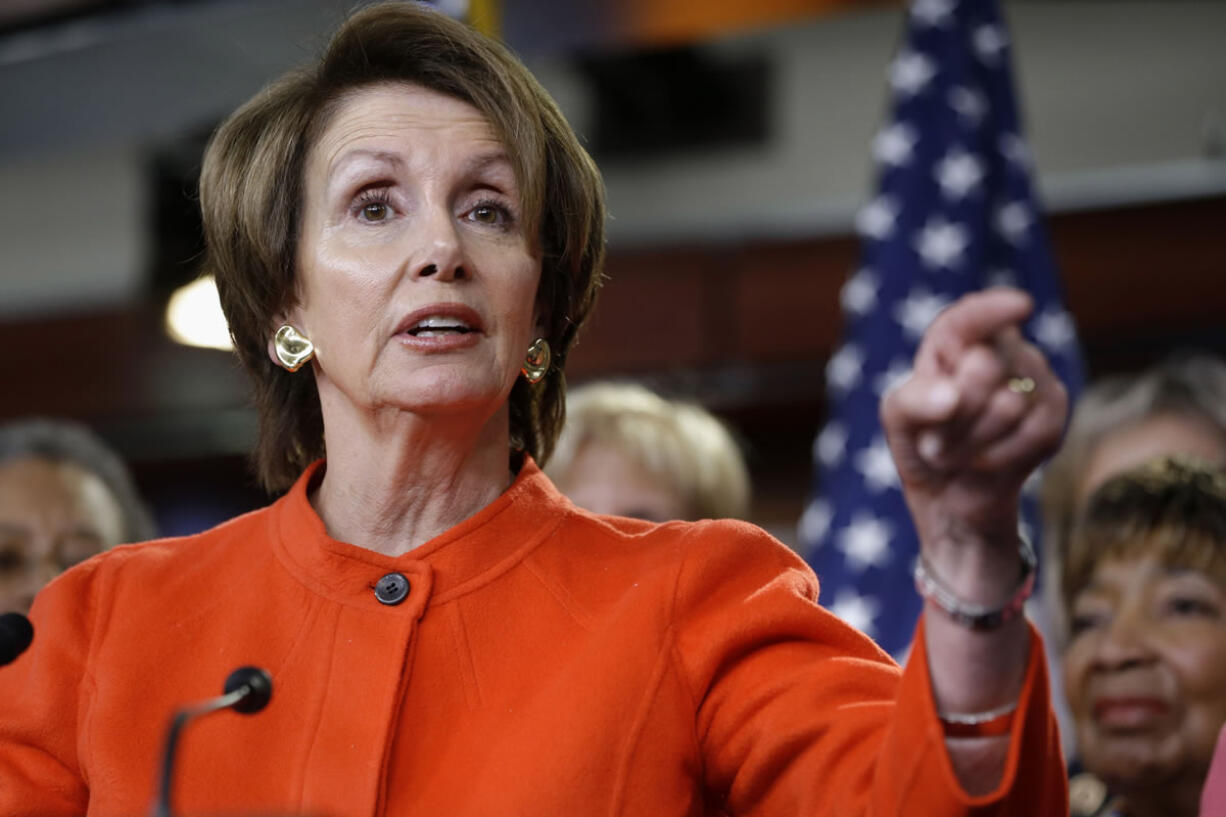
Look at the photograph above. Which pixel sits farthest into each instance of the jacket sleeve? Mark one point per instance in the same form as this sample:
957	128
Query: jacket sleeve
43	703
797	713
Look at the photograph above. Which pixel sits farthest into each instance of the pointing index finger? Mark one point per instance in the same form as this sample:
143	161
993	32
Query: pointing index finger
974	319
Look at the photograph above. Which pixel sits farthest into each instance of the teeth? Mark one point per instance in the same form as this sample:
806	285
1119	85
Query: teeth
437	325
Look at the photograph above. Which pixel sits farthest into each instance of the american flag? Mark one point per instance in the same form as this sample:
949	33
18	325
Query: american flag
955	212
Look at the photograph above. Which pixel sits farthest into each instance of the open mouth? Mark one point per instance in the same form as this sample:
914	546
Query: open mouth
439	326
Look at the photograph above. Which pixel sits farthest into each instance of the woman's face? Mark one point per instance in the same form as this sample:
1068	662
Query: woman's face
52	515
604	480
1145	671
416	279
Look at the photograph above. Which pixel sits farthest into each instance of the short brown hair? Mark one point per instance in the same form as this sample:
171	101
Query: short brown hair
251	190
1174	506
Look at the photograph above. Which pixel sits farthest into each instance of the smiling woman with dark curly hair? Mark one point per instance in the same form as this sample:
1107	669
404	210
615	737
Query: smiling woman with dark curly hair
1144	587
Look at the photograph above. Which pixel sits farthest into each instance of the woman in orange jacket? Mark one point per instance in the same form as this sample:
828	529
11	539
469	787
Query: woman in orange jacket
406	239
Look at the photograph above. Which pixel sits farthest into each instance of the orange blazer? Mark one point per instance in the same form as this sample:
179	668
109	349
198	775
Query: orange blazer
545	661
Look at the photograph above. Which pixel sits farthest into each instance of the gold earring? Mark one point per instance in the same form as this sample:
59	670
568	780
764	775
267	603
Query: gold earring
292	348
536	363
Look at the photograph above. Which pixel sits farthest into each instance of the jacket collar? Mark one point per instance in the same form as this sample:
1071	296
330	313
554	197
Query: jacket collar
456	562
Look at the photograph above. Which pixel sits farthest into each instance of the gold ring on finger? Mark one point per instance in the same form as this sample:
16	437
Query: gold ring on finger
1024	386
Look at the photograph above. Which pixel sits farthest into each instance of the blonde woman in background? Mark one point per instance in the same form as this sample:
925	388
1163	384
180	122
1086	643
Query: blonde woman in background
626	451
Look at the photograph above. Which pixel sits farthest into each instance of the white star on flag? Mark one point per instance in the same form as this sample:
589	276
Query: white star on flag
1013	221
941	243
933	13
894	145
865	542
859	294
989	41
829	446
1054	330
959	173
815	521
876	465
900	370
876	219
843	368
858	611
911	72
918	310
1015	149
968	104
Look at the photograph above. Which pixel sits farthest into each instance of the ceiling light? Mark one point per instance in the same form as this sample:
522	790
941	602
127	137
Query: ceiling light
194	316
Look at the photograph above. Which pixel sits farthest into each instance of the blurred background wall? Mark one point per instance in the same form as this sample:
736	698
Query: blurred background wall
735	139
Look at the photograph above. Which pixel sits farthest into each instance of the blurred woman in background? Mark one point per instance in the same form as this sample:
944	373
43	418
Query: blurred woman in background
64	496
1177	406
1144	587
626	451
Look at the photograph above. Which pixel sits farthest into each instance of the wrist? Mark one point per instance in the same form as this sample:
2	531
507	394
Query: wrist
975	671
992	600
979	565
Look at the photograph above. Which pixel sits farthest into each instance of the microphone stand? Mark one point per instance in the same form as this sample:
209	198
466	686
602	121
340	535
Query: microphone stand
247	691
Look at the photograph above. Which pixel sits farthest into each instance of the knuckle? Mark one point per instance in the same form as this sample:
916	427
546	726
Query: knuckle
980	371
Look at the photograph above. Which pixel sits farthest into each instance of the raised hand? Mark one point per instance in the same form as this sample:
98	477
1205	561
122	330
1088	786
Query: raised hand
980	411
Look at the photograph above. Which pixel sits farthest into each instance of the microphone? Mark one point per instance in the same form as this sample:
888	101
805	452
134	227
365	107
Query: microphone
247	691
16	633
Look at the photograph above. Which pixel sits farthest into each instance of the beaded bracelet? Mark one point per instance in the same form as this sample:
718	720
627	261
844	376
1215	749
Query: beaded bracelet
978	616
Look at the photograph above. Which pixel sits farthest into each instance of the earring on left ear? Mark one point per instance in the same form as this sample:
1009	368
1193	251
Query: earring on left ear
536	363
292	348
